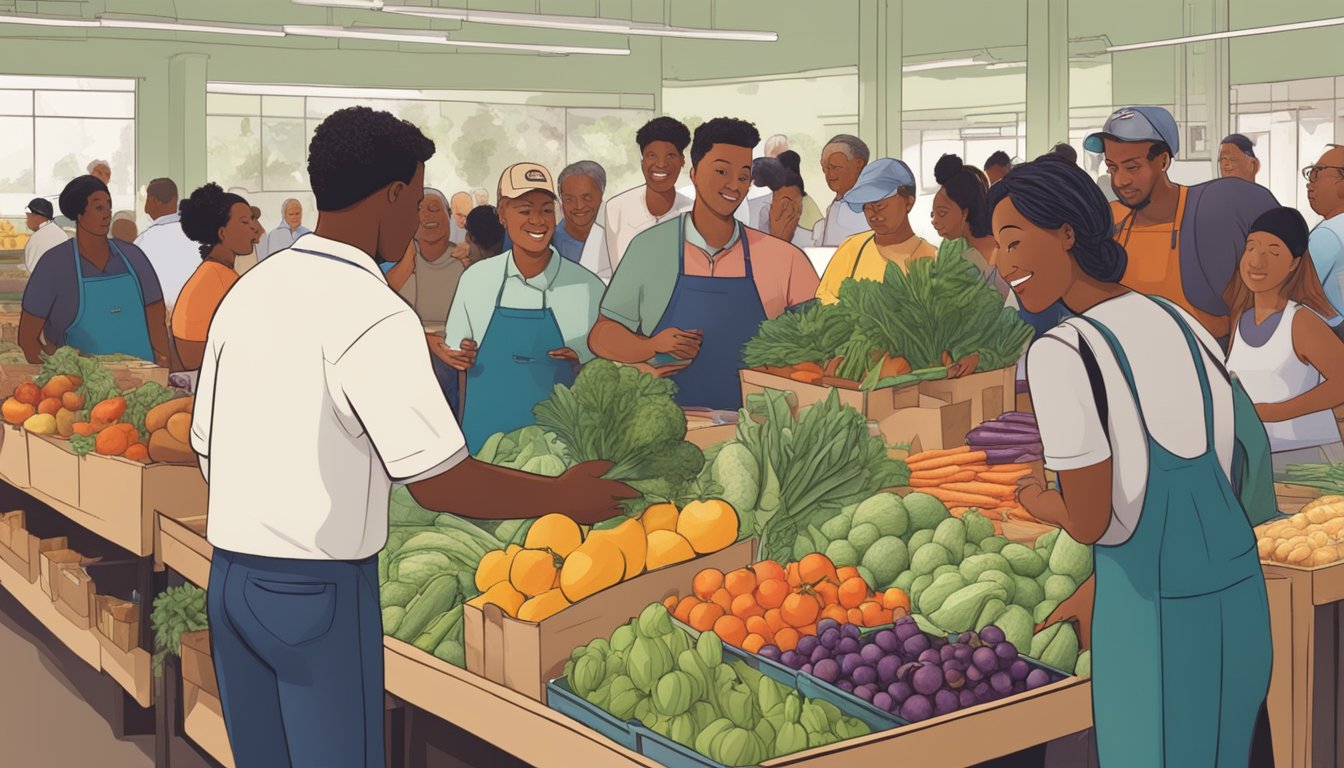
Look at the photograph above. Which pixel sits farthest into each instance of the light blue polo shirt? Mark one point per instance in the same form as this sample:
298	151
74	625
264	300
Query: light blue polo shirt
1327	255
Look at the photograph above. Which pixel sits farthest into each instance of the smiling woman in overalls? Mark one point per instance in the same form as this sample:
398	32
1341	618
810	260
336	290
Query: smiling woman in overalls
691	291
94	293
1136	416
523	317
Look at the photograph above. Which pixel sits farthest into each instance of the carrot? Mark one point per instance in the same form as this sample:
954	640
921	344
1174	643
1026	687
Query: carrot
926	455
993	490
894	366
976	468
807	377
962	459
808	368
919	481
1002	478
961	499
1011	468
941	472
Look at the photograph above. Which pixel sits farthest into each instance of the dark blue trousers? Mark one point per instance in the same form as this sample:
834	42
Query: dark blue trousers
298	650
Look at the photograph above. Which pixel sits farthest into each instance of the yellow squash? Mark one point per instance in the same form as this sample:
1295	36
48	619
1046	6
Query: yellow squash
555	532
494	567
503	595
543	606
533	571
632	540
667	548
596	565
708	525
659	517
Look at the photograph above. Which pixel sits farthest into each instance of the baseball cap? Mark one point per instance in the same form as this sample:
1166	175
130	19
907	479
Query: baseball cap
1136	124
879	180
520	178
42	207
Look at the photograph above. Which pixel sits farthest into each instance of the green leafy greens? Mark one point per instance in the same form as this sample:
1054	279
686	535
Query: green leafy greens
176	610
96	382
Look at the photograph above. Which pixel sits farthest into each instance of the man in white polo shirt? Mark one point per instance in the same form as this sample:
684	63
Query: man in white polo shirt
662	152
299	484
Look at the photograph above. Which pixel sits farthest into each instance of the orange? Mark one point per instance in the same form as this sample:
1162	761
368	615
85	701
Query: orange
846	573
854	616
757	625
670	603
740	582
659	517
704	615
775	619
753	643
810	629
791	575
896	598
682	612
771	593
835	613
744	607
815	568
768	569
874	614
708	525
731	630
787	639
800	610
828	593
853	591
707	582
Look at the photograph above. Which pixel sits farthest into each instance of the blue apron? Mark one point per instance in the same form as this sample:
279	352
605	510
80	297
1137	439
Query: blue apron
111	315
1180	625
729	311
514	370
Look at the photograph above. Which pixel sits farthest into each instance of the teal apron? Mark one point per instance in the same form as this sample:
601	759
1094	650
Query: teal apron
729	311
111	316
514	370
1180	627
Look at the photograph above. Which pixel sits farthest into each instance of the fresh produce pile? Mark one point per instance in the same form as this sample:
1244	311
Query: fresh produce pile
785	475
11	239
770	605
1326	478
530	449
1310	538
685	690
12	354
960	478
558	565
176	610
1013	438
902	670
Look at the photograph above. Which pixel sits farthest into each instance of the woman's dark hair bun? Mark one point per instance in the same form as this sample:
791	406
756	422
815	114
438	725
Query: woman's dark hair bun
947	167
791	160
205	212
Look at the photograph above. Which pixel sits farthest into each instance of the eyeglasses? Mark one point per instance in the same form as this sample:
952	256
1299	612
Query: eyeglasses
1313	172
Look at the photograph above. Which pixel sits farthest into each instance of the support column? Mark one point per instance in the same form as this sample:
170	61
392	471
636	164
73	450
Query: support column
1047	75
186	121
1219	81
881	53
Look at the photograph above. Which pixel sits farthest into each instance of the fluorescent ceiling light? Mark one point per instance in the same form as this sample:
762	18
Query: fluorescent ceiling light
368	5
314	91
440	38
948	64
1008	65
1317	24
577	23
173	26
37	21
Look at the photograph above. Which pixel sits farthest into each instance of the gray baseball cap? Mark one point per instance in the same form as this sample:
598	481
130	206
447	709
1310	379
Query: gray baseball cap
1132	124
879	180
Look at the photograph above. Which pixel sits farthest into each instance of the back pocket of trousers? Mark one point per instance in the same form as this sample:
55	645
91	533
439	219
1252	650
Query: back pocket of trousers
294	612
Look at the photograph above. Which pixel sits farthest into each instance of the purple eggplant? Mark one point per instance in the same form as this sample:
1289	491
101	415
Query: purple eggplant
1018	417
1003	455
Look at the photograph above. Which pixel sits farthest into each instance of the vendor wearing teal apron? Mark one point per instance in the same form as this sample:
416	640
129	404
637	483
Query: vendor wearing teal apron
690	292
1177	605
97	294
523	318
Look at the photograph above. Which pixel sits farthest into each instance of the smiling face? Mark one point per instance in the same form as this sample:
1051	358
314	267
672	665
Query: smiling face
1034	261
294	215
842	171
722	178
949	219
662	163
581	198
96	219
530	221
433	220
1234	163
1266	264
890	215
1133	175
238	235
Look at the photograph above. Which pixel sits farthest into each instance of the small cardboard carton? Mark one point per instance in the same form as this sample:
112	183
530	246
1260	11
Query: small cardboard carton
119	621
51	563
198	668
74	594
53	468
122	497
14	456
20	549
524	656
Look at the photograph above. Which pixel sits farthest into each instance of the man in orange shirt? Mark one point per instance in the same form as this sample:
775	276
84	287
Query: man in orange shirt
1183	242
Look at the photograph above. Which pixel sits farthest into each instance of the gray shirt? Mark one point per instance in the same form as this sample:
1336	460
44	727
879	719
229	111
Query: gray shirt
52	292
430	290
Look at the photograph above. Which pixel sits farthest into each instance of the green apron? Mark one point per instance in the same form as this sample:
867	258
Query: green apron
1180	627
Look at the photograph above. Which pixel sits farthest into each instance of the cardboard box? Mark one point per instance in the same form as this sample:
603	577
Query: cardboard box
21	550
198	668
133	373
524	656
14	456
203	724
51	563
53	468
74	594
930	415
118	621
14	374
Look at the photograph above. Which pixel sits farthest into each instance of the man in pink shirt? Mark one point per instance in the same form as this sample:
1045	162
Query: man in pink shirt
691	291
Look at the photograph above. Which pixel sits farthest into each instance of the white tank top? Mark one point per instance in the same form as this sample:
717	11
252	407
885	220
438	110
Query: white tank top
1273	373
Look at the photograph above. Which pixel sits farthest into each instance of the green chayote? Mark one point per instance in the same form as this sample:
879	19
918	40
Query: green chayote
648	661
790	738
654	621
710	648
705	739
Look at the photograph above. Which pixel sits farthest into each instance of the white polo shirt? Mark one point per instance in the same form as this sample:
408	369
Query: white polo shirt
626	215
47	236
174	256
305	470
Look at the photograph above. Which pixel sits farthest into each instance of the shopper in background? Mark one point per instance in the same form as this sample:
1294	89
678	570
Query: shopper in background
249	260
523	319
46	233
842	160
97	294
1176	614
580	238
297	524
1287	357
1183	242
997	166
662	149
810	214
1064	151
781	214
691	292
123	226
480	196
1325	193
884	195
100	170
222	223
427	275
174	255
961	218
460	204
775	145
291	229
1236	158
484	237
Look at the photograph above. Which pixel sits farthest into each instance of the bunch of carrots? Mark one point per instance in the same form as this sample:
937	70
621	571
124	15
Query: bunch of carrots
770	604
961	479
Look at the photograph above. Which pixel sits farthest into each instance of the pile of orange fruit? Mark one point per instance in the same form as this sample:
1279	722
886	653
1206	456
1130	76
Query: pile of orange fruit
770	604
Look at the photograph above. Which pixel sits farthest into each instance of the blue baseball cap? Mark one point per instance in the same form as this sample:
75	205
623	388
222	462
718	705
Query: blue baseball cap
879	180
1132	124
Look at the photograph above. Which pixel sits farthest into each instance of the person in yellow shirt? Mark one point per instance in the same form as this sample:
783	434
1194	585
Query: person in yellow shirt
885	192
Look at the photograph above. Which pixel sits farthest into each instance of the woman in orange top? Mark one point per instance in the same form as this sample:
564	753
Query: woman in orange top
222	223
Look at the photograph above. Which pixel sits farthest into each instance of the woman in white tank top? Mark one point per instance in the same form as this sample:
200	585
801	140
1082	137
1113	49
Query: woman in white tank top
1286	356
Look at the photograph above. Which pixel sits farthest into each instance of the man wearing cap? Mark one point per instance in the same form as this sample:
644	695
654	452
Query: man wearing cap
690	292
524	317
1183	242
884	195
842	160
46	234
1236	158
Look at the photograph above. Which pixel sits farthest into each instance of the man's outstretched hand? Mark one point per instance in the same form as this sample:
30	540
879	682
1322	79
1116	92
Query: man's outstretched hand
586	498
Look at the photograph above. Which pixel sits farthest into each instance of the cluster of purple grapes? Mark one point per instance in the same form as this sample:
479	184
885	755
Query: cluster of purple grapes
903	671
